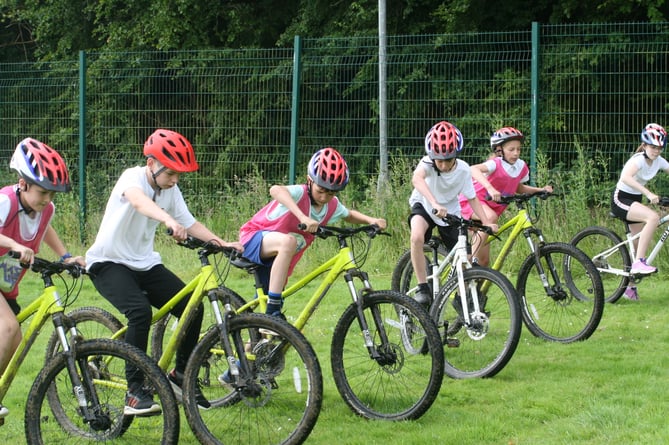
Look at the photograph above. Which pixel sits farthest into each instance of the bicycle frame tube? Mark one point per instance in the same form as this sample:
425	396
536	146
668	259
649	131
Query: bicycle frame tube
516	224
334	266
42	308
660	242
197	288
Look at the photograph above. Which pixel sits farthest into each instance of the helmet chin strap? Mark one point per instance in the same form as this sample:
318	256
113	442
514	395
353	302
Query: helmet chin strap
26	208
310	184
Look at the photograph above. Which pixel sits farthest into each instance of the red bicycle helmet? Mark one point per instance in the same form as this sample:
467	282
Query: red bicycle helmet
328	169
443	141
654	134
172	150
37	163
504	135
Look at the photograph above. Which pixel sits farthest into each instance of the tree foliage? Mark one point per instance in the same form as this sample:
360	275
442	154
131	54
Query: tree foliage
58	29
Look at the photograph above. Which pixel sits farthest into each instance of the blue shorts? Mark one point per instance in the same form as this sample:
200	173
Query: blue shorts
252	249
252	253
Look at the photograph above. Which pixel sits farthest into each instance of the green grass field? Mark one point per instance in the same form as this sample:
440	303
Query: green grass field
607	390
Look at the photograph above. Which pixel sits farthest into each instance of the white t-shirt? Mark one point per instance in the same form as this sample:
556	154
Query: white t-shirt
646	172
125	235
445	187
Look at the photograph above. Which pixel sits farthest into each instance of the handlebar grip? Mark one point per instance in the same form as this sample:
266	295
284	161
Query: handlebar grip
435	211
301	226
14	254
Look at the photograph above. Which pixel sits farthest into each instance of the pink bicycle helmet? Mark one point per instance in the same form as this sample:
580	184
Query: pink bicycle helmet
504	135
172	150
328	169
443	141
654	134
37	163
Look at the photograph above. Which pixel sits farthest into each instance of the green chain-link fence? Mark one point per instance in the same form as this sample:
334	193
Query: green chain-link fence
571	89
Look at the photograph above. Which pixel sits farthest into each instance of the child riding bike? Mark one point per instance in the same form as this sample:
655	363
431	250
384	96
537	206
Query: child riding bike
438	180
503	174
626	199
26	210
271	238
127	271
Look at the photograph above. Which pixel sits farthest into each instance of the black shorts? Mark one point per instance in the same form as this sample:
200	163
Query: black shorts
448	234
621	203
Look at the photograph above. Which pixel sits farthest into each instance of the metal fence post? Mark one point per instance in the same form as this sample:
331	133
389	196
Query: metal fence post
82	146
534	113
295	109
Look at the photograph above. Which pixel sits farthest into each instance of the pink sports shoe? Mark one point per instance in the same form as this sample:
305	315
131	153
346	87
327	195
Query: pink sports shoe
639	267
631	293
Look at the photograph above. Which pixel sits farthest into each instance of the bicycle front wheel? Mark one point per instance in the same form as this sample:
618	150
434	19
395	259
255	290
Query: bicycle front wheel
280	401
485	344
100	364
91	322
614	267
570	308
394	381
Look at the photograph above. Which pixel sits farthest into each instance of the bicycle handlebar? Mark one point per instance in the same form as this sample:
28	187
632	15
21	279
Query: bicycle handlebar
41	265
523	197
208	246
454	220
370	230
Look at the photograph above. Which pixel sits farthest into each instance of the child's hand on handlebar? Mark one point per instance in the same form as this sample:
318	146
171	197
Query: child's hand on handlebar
439	211
379	222
309	225
176	230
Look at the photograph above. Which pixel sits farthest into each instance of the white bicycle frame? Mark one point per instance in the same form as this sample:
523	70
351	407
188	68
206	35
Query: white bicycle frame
629	243
459	259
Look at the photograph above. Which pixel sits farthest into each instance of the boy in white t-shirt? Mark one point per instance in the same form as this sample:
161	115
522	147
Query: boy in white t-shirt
438	180
129	273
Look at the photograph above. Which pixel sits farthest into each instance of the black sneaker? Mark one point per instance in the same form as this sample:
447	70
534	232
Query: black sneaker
140	404
176	380
423	297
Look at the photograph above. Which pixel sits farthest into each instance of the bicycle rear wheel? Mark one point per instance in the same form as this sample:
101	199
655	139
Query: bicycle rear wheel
572	307
163	329
401	383
484	346
280	402
593	241
103	378
403	278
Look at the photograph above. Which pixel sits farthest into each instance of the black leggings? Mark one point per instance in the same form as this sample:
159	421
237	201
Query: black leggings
134	293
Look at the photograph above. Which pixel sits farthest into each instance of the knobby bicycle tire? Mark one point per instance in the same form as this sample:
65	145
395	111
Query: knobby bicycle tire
595	240
91	322
280	402
168	323
403	382
47	422
574	309
483	348
403	278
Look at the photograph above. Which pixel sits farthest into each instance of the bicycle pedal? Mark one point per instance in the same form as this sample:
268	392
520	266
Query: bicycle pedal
452	343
